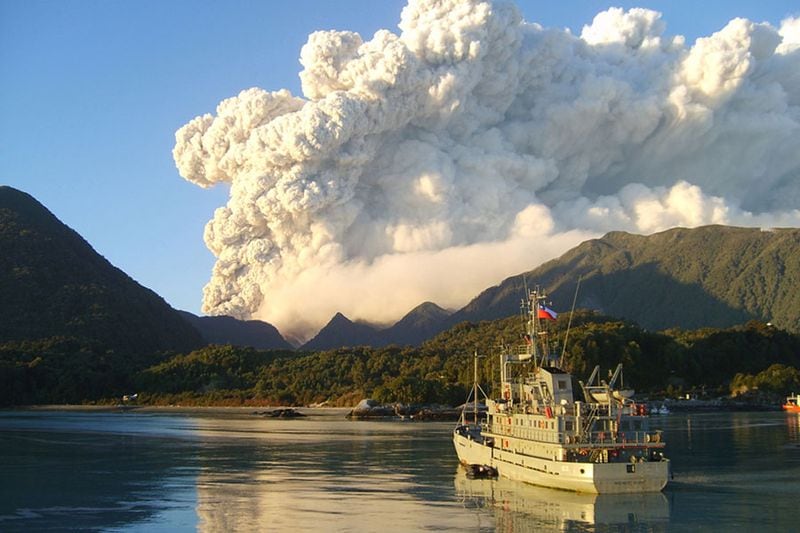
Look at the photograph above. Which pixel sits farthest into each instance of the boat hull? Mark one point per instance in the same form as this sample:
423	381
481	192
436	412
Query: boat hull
791	408
595	478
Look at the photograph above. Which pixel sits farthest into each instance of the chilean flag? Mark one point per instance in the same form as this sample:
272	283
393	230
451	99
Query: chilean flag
547	313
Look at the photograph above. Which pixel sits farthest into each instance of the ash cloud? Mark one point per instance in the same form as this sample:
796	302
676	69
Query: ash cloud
429	164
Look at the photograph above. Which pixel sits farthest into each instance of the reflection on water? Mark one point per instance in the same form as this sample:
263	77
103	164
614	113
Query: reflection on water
521	507
287	474
733	471
233	471
91	471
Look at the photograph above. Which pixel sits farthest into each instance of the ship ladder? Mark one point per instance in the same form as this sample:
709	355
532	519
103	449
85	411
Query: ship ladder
590	419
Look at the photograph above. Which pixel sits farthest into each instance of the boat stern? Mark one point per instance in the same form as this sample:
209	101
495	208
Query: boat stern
620	478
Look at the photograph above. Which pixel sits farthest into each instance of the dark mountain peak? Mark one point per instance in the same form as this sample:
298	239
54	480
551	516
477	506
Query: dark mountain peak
428	309
229	330
421	323
339	319
341	331
54	284
19	199
423	315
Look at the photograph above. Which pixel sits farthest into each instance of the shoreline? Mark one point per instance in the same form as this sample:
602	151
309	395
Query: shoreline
201	409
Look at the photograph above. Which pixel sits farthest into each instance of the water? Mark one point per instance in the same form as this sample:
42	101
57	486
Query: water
233	471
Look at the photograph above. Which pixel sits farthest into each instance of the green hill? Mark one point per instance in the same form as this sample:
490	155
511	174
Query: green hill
54	284
714	276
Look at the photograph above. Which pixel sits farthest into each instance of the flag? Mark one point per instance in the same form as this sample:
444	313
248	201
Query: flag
547	313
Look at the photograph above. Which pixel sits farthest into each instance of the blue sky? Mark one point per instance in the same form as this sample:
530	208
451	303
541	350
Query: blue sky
93	91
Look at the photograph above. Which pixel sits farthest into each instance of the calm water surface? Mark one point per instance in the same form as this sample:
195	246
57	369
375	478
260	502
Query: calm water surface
138	471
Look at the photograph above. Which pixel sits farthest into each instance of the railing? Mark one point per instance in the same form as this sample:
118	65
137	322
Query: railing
624	438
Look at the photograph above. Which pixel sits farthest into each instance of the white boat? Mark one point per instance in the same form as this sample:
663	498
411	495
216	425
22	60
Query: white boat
538	432
662	410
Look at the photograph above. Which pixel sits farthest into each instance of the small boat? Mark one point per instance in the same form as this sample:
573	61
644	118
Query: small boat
662	410
481	472
602	396
792	404
538	431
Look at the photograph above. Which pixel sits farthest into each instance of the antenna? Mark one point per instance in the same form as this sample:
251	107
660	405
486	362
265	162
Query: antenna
569	323
525	304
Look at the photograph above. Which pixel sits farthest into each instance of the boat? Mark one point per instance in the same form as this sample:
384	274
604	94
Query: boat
539	431
792	404
661	410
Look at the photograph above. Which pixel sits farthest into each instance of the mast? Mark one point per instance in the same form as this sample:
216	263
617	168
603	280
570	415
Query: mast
475	388
536	331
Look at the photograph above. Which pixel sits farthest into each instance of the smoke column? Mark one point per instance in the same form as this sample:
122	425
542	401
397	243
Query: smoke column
474	145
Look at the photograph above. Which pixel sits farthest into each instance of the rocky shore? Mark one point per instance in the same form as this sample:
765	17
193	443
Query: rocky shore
369	409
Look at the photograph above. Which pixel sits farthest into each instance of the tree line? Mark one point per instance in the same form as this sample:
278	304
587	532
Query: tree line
65	370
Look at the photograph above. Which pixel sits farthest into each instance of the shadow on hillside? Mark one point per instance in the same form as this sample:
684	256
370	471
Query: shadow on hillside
654	300
642	294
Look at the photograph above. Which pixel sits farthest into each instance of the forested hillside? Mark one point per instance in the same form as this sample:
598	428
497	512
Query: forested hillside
696	306
713	276
54	284
440	371
72	326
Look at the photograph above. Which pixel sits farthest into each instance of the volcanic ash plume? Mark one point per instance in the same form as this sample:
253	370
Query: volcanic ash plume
474	145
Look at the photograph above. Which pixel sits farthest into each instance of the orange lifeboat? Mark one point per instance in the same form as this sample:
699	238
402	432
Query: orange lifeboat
792	405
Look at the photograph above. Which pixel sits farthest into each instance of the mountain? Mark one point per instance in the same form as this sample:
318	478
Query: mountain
421	323
341	331
228	330
54	284
713	276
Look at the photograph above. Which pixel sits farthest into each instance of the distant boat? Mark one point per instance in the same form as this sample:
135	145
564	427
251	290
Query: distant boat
792	404
663	410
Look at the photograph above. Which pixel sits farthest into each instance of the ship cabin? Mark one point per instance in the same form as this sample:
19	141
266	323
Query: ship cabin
537	415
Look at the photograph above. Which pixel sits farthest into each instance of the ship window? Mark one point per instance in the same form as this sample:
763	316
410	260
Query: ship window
562	384
568	425
637	425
